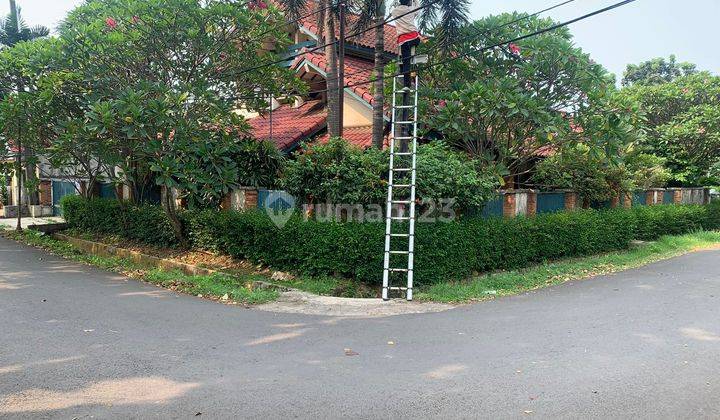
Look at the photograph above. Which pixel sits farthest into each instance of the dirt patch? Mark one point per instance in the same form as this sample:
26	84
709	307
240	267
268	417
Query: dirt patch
298	302
202	259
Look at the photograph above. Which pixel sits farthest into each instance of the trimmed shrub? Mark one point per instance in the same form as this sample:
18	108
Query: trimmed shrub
652	222
444	251
713	217
146	223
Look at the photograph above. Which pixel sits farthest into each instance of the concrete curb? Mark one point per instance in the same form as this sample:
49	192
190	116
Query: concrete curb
149	261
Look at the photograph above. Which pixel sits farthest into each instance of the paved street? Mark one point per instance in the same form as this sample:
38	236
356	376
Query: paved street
77	342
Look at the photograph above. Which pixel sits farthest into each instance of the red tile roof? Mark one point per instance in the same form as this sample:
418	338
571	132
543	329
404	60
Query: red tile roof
356	136
356	71
290	125
366	39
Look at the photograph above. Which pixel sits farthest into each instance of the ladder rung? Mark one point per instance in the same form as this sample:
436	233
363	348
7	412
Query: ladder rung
401	217
404	122
404	138
400	252
401	185
400	235
400	91
401	169
402	153
400	201
398	288
399	270
404	106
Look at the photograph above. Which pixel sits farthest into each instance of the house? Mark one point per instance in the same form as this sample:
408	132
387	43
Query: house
290	123
287	125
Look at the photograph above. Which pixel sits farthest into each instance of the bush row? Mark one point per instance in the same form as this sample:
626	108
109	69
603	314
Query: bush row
444	251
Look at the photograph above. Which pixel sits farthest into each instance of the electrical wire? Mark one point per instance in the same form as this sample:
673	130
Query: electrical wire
487	32
458	57
318	47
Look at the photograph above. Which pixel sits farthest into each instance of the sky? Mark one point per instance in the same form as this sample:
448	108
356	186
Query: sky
631	34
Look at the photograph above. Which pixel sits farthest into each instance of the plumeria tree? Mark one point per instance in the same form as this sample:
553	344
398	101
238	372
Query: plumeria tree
162	80
657	71
682	122
13	31
513	104
443	20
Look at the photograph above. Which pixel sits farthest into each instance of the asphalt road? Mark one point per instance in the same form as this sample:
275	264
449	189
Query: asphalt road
76	342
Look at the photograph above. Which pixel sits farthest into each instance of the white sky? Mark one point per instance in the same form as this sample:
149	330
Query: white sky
630	34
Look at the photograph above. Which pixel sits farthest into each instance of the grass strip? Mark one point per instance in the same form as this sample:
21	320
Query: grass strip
488	286
222	287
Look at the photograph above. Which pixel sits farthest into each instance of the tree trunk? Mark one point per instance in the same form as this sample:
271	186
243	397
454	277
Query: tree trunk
332	71
378	121
18	175
168	204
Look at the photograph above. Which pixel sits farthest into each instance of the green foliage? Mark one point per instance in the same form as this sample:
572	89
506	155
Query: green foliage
655	221
144	93
339	173
587	171
506	104
443	173
512	282
647	171
682	124
656	71
14	30
145	223
444	251
713	219
259	163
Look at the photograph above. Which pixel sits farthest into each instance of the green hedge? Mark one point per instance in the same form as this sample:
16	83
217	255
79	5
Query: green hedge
147	223
444	251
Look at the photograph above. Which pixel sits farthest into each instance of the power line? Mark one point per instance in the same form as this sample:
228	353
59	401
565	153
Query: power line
294	21
539	32
514	40
318	47
486	32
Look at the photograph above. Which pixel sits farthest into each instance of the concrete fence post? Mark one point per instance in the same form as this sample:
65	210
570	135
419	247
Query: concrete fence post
242	198
509	203
45	192
654	196
676	194
571	200
627	200
532	196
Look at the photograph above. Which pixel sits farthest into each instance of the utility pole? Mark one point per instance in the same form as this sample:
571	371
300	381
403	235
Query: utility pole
272	99
19	176
341	71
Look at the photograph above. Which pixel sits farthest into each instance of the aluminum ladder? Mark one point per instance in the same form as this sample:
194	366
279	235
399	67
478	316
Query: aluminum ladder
400	212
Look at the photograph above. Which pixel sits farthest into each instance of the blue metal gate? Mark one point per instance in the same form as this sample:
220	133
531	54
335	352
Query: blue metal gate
59	190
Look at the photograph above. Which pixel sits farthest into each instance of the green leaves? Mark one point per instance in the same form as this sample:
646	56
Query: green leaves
508	104
342	174
682	119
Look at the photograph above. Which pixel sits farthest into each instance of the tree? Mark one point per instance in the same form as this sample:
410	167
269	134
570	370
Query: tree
327	15
443	19
657	71
162	81
14	30
339	173
509	105
682	122
594	176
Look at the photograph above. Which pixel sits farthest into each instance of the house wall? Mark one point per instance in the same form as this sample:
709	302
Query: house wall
355	112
